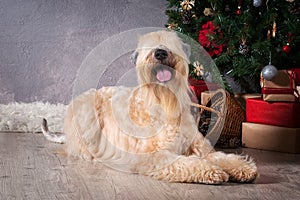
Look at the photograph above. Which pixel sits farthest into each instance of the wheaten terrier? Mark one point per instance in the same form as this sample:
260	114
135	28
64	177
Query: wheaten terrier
150	129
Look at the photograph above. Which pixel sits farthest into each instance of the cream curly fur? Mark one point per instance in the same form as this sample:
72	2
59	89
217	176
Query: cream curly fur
149	129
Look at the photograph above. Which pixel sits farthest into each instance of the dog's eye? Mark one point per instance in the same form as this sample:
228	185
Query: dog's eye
133	57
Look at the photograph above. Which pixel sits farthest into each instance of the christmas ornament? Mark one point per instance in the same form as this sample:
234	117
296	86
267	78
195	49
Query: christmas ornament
269	34
274	29
295	7
172	26
269	71
257	3
286	48
208	12
187	4
244	48
239	11
227	9
187	15
272	32
199	69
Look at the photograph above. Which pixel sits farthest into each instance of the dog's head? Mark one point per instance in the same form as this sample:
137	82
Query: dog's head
161	57
162	67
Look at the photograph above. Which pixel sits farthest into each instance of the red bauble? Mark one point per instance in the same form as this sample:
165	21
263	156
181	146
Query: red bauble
286	48
238	12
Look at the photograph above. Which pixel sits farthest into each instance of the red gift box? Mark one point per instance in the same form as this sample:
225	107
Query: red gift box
284	114
199	86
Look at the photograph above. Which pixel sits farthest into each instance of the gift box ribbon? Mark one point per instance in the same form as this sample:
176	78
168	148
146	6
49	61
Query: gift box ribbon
291	91
294	76
267	90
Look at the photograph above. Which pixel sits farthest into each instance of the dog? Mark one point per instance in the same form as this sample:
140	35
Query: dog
149	129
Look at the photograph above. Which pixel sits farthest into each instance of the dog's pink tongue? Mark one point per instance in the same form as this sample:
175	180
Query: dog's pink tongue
163	75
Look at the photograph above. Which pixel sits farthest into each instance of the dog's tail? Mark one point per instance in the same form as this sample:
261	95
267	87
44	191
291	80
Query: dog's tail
53	137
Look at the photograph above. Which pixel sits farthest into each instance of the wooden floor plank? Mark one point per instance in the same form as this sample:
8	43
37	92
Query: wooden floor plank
33	168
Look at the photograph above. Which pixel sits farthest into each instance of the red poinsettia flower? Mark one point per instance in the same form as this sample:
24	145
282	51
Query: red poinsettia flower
208	30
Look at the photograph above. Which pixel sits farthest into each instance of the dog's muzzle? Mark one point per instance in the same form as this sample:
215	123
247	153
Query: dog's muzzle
162	72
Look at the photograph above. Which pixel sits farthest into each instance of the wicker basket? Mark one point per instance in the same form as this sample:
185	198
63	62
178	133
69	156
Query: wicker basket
225	121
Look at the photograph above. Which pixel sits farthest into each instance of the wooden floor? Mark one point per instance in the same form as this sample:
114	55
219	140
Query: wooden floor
32	168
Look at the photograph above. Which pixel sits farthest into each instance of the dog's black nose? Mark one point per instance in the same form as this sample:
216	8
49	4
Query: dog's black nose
160	54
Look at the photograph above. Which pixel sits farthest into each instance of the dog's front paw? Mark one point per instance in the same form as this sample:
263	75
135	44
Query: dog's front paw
245	174
213	176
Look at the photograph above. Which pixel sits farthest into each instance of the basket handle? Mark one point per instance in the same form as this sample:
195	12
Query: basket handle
207	108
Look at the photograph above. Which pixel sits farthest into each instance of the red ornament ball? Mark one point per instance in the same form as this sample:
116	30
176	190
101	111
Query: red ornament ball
238	12
286	48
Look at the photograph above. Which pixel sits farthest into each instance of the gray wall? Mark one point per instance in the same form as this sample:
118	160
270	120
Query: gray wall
44	42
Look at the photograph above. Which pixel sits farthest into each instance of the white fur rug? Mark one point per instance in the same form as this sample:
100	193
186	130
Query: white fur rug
27	117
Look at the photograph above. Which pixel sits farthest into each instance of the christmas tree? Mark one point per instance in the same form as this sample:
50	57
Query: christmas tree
242	36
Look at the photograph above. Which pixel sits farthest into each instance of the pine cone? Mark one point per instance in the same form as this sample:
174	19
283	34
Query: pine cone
187	17
295	7
243	49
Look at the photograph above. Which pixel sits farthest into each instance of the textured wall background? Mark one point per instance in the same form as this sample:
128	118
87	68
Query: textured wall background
43	42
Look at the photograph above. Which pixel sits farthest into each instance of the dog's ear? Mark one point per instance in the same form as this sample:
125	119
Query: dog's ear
187	49
133	57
